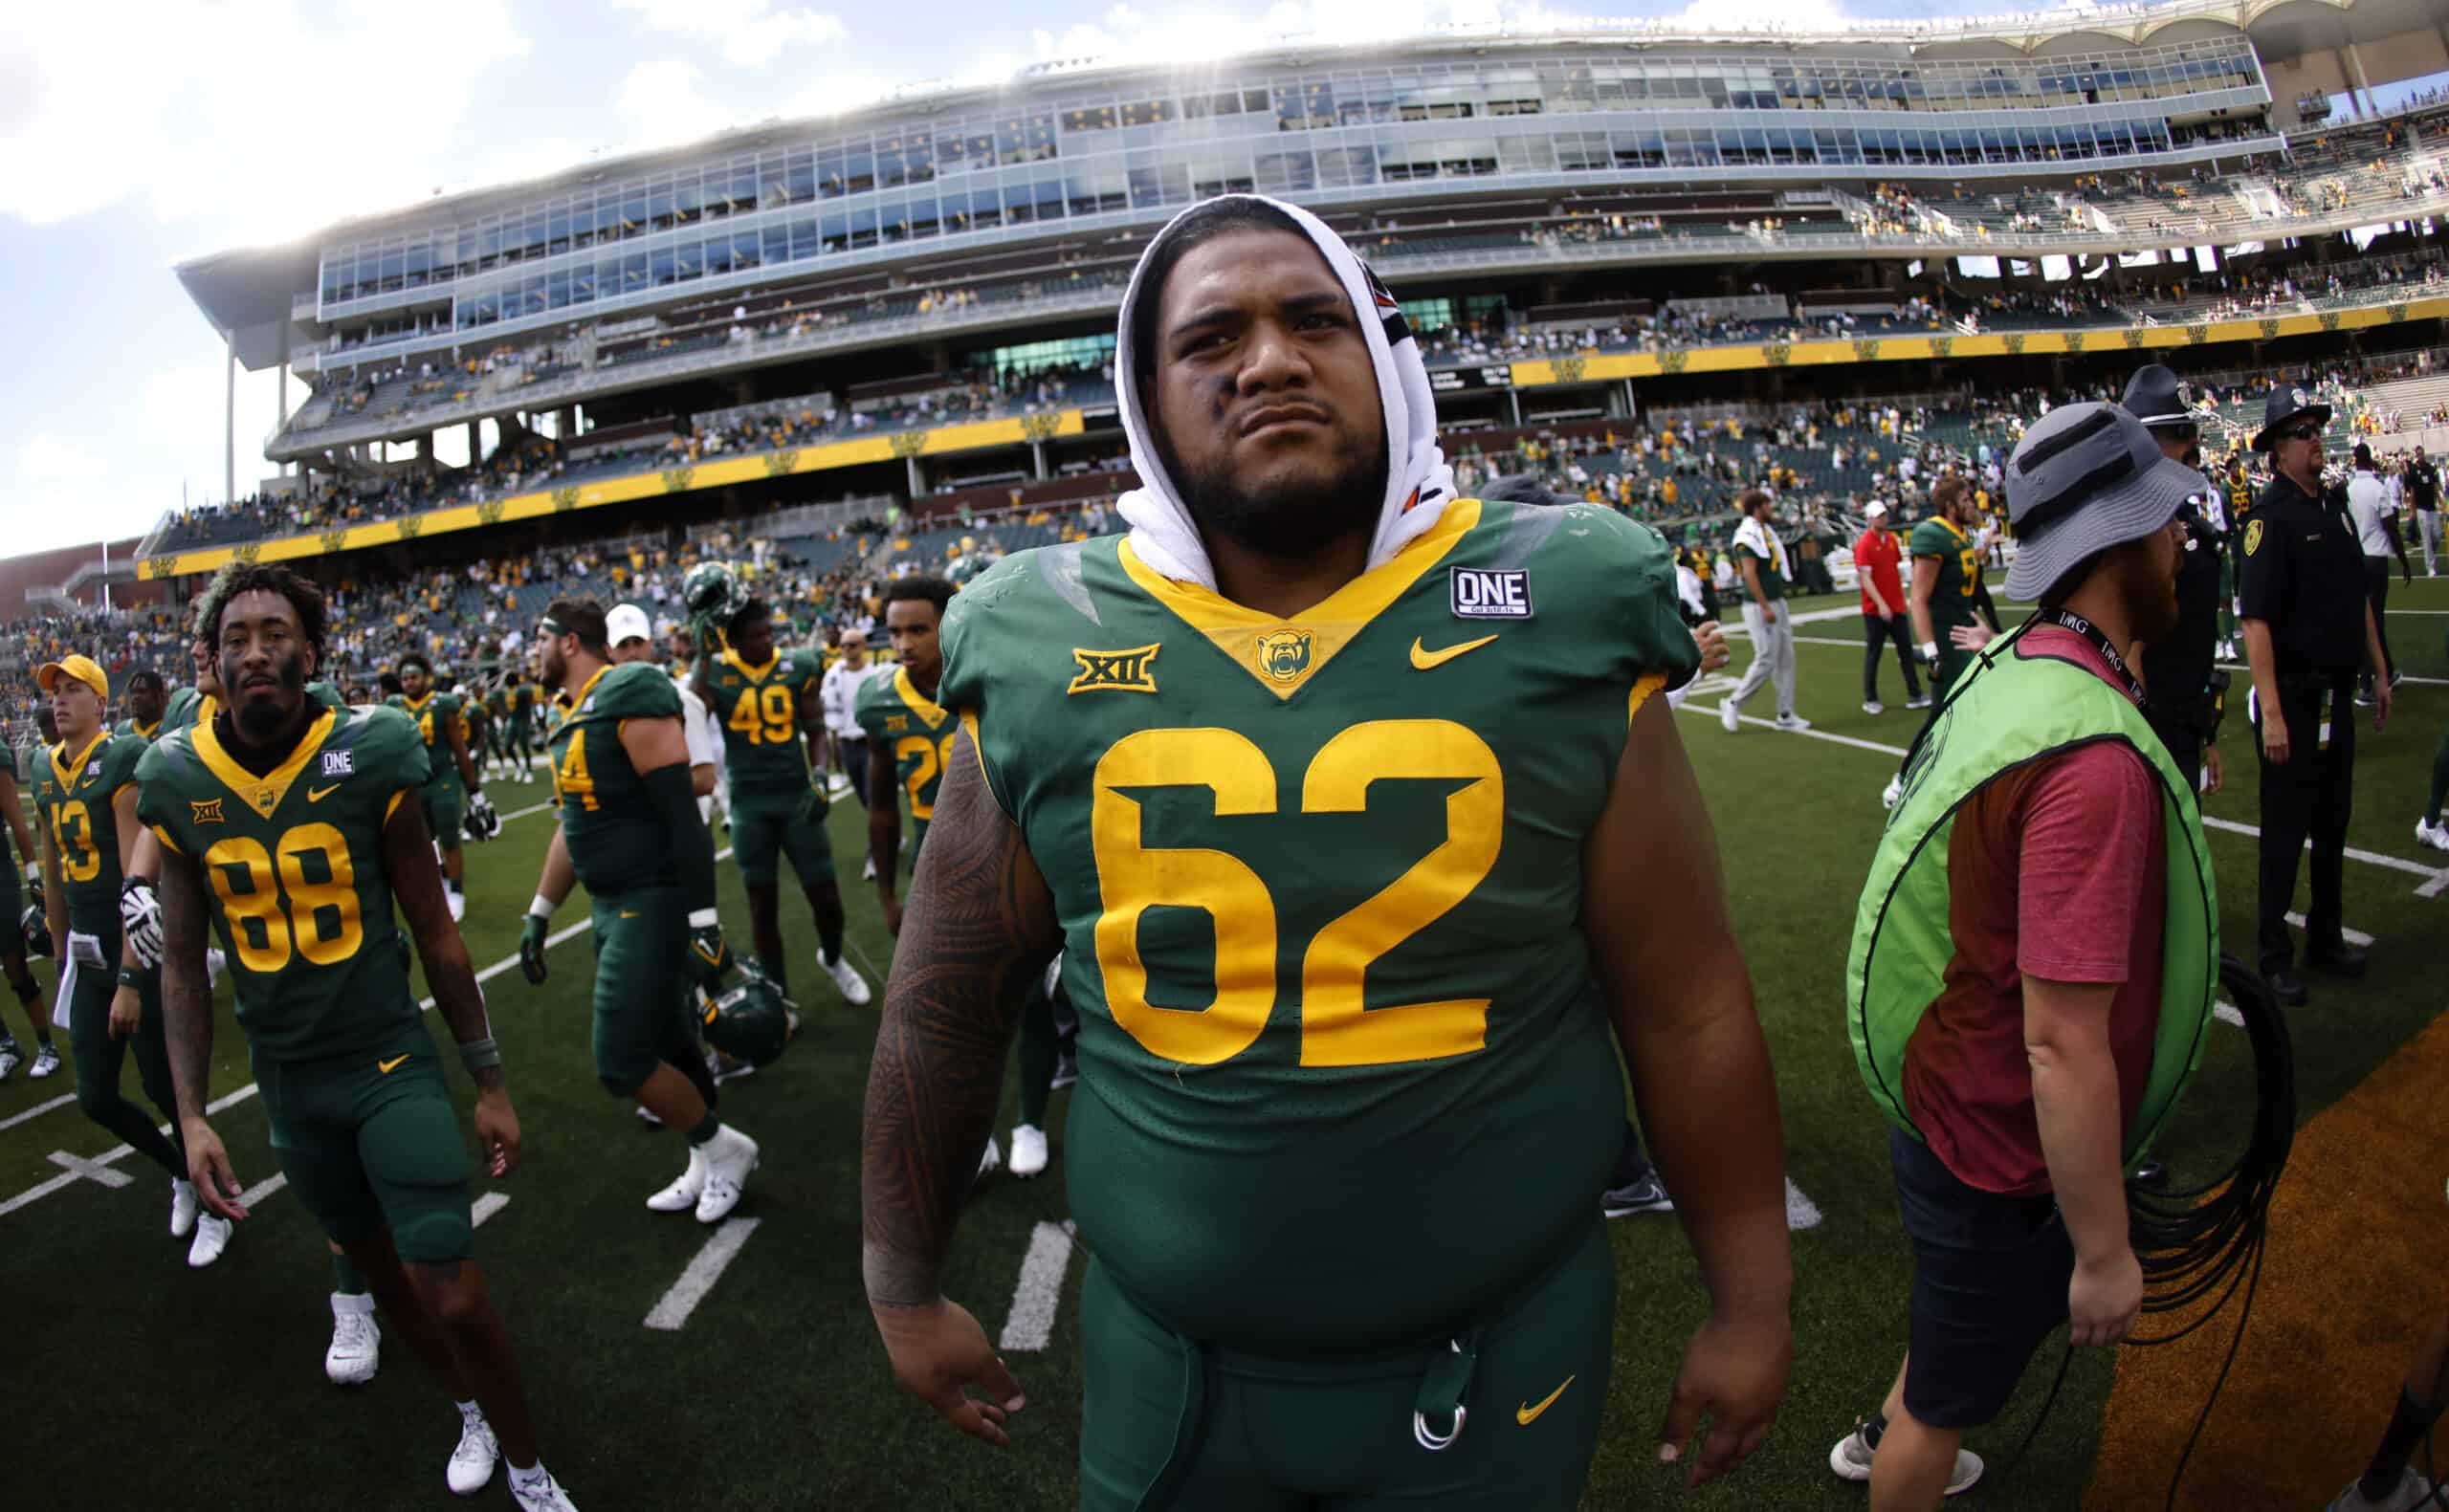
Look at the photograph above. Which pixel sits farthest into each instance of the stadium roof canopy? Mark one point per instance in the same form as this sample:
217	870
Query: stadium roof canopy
254	292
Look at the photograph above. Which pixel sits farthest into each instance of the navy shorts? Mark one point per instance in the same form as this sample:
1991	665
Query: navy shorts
1990	1277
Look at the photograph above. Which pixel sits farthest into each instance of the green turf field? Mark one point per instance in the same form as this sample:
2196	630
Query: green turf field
153	1386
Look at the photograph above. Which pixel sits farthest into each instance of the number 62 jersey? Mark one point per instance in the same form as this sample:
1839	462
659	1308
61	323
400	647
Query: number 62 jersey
1346	1080
293	872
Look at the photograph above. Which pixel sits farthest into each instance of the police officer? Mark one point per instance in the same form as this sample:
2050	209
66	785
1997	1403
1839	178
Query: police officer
2308	624
2177	668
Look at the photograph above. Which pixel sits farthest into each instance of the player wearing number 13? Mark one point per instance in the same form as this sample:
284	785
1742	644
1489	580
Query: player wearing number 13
1352	808
291	830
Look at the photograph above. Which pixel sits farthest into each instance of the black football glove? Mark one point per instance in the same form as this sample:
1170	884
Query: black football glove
140	920
35	928
531	947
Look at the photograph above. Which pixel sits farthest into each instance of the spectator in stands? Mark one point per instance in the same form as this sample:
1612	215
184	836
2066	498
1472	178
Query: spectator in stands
1878	555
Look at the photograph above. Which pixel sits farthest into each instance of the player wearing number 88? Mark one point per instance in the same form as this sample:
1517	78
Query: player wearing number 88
1354	880
292	829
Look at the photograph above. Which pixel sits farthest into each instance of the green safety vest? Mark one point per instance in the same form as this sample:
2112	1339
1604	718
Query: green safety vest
2010	711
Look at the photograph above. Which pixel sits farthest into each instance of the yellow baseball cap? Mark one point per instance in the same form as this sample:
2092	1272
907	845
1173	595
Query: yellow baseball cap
80	668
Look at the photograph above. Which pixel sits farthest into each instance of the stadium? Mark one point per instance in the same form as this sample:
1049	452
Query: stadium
1652	267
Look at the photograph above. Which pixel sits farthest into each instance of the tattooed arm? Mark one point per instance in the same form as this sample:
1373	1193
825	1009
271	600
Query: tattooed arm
979	928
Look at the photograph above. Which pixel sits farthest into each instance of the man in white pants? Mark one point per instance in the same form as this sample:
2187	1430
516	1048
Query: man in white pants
2423	492
1760	559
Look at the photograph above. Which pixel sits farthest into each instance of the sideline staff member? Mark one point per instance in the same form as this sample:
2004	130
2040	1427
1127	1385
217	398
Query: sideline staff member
2178	667
2307	624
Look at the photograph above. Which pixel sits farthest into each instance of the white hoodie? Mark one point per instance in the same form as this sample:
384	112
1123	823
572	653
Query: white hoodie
1418	483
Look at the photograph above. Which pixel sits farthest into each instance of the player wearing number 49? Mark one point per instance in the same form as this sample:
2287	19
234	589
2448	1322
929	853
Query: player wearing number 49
1352	867
292	829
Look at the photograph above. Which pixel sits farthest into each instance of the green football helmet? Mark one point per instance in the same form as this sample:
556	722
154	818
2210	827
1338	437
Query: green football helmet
748	1019
710	591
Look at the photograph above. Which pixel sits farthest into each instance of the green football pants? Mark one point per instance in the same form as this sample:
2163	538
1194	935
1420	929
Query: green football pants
764	830
372	1142
88	991
641	1013
445	803
1171	1426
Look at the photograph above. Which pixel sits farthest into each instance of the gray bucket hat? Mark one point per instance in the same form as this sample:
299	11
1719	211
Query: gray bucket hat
2088	477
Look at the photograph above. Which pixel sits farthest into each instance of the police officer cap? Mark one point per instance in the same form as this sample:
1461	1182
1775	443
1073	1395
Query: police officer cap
2285	403
2156	396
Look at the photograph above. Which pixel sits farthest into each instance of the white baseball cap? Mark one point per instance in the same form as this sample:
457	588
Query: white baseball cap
627	621
1874	508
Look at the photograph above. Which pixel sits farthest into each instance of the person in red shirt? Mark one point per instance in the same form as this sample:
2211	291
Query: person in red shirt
2024	1073
1877	554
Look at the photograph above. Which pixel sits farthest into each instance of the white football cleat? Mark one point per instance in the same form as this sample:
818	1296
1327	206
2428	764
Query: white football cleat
182	1208
990	1157
211	1238
681	1197
1894	792
2427	833
46	1061
539	1492
357	1341
472	1462
729	1157
1792	724
1028	1151
11	1058
846	977
1729	716
1872	706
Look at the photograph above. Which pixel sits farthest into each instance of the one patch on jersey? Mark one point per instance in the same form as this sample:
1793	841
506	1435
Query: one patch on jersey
1130	671
1491	593
207	811
340	763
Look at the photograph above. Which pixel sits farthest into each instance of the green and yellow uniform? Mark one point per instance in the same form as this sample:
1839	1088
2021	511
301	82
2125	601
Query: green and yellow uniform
74	798
293	868
148	734
525	722
188	707
623	855
896	717
497	732
1345	1086
776	809
444	797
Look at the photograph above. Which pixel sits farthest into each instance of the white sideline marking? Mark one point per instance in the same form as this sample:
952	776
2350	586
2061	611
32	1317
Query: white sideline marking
671	1313
262	1189
1039	1290
94	1171
2228	1013
486	1206
37	1110
1801	1212
2351	936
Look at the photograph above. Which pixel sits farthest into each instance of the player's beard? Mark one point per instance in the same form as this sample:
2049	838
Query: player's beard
550	668
1296	517
2151	595
262	720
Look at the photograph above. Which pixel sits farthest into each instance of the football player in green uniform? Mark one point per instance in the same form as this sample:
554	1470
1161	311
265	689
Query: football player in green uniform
495	703
291	829
22	928
1945	596
1352	808
526	724
110	991
910	742
147	696
629	831
767	700
453	796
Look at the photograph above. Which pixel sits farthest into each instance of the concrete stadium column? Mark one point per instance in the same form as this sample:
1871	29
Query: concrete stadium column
230	417
917	481
282	399
1514	398
473	453
565	423
2351	69
1037	455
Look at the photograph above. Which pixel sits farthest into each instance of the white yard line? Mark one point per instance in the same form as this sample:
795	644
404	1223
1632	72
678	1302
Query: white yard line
37	1110
261	1190
1040	1291
2351	936
485	1207
94	1171
720	1249
1801	1212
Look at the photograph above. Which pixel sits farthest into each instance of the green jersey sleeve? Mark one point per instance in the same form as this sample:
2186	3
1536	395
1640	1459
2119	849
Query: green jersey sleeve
869	709
635	691
1633	579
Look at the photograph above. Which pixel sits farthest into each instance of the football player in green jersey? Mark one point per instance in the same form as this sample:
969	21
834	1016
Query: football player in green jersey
495	703
910	741
147	696
110	992
290	828
453	796
773	720
626	788
525	725
1945	596
1352	808
21	926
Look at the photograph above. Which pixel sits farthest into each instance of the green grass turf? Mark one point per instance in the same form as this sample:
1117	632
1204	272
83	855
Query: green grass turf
161	1387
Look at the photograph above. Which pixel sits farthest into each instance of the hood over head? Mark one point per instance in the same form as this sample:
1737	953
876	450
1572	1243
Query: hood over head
1419	485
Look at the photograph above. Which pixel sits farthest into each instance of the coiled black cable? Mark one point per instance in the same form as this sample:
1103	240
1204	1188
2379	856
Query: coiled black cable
2207	1242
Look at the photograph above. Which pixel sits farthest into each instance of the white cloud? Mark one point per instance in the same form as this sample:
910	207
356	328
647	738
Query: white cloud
271	111
48	458
751	32
662	104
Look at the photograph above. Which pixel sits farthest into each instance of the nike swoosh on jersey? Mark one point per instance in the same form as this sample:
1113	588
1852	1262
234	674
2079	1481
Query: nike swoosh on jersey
316	795
629	913
386	1068
1424	658
1525	1414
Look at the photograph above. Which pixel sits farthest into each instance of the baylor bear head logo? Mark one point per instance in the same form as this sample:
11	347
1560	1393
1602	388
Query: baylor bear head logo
1284	655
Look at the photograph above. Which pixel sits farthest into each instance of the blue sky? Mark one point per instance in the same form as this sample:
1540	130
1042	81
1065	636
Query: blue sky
134	136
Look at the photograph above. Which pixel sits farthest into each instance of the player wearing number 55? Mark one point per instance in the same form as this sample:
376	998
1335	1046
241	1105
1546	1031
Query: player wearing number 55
1354	812
291	829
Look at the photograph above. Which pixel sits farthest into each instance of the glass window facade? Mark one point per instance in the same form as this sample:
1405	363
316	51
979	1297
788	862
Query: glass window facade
1129	148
